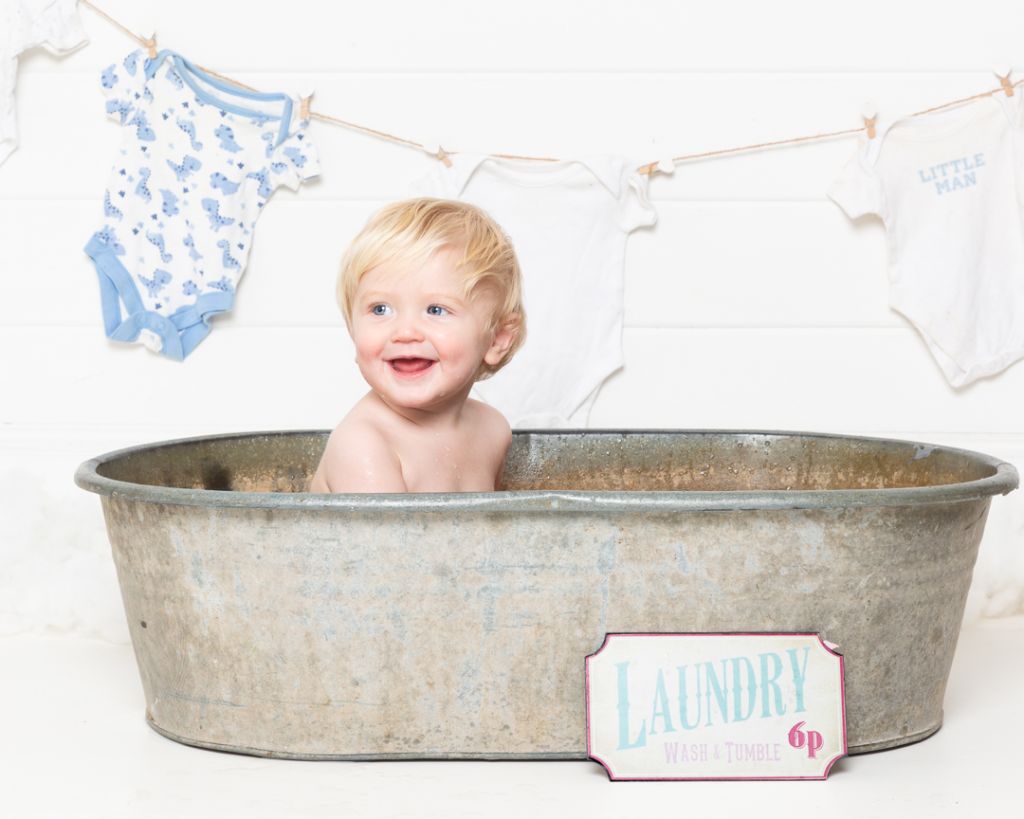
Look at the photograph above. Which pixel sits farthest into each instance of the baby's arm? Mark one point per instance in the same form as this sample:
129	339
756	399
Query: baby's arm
358	458
496	431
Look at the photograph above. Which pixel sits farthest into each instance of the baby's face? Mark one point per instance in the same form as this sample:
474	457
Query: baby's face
419	341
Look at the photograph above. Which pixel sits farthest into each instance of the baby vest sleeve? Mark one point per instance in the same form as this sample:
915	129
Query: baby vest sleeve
858	190
25	24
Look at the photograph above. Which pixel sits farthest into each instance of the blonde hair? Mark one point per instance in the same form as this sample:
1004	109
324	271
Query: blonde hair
411	231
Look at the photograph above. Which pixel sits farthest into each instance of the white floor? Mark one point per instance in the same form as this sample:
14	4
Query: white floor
74	743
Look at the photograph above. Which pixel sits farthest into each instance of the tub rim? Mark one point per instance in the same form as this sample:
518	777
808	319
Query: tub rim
1002	481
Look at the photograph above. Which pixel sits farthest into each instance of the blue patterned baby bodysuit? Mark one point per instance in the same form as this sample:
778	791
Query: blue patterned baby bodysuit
198	161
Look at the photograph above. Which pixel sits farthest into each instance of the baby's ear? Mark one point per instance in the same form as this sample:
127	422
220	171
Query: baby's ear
504	337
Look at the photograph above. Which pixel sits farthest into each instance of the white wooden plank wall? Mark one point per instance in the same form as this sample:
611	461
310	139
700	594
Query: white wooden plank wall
754	303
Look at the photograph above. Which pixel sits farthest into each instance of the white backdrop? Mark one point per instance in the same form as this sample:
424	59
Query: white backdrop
754	303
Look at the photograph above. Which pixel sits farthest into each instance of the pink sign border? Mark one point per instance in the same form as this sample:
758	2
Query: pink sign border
829	647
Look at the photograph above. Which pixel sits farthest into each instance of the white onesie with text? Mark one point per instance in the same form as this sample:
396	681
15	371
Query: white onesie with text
947	188
569	222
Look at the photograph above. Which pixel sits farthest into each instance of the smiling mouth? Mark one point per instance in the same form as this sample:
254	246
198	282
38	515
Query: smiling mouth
411	366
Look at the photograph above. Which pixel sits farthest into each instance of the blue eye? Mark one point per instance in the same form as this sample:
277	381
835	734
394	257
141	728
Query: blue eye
380	309
436	310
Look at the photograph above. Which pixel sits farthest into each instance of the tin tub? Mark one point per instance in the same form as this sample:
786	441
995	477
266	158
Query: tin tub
270	621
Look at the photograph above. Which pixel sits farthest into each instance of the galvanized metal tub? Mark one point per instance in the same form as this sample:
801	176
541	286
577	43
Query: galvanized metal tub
270	621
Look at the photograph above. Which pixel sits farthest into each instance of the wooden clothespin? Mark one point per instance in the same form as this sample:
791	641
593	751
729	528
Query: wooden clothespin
436	151
151	45
869	113
306	97
665	165
1003	71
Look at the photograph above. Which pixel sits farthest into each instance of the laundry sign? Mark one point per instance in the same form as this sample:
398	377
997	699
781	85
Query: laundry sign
715	706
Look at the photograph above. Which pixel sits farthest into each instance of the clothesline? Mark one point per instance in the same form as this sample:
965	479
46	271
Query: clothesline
648	168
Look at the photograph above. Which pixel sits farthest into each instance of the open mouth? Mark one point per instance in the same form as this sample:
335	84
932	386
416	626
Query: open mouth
411	366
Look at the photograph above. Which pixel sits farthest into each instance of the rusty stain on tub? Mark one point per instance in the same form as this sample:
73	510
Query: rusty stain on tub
451	626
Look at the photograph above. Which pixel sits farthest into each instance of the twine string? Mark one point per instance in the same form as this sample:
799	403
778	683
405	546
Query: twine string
647	168
142	41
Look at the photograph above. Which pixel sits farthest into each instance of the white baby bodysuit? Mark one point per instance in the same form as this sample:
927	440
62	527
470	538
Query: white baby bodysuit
569	222
199	159
25	24
947	187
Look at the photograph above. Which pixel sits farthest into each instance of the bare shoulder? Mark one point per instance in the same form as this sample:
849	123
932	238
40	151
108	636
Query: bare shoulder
489	425
492	435
488	418
356	434
359	457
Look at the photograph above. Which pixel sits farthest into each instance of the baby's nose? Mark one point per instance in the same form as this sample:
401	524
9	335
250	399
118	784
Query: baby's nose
407	330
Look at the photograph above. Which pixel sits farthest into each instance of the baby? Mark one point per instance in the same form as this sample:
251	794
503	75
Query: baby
430	291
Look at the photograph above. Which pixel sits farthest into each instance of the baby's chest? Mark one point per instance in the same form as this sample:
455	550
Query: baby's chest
454	468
